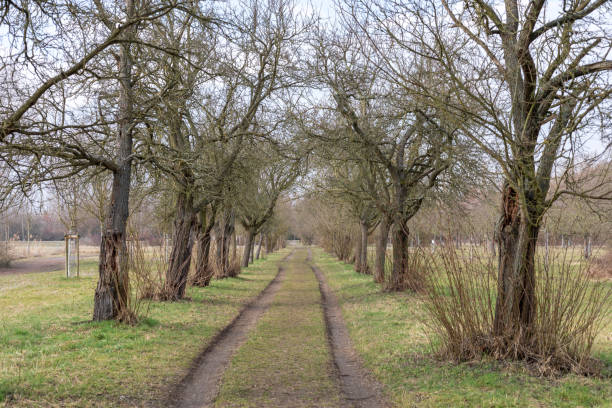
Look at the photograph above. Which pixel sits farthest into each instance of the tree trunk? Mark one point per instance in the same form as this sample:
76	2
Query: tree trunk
111	299
247	248
252	249
182	246
515	306
203	270
227	236
358	252
259	246
364	268
234	246
399	279
218	245
381	250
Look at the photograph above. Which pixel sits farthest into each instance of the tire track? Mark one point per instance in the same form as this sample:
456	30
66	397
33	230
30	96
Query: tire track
201	386
359	389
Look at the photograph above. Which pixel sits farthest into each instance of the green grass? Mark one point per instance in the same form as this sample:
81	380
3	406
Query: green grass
286	360
51	354
388	332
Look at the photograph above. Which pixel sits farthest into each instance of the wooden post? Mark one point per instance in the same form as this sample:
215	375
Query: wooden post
68	250
78	255
587	246
67	255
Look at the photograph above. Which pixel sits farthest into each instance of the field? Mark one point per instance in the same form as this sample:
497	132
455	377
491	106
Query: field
53	355
404	360
19	249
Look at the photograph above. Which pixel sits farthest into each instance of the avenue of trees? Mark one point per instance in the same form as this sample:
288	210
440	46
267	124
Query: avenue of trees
169	101
201	119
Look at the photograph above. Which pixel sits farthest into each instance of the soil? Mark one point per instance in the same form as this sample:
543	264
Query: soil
33	265
201	386
359	388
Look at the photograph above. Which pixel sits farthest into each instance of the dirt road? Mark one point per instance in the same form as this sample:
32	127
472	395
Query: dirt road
288	348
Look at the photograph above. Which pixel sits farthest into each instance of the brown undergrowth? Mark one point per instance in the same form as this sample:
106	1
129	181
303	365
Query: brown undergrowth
570	309
601	266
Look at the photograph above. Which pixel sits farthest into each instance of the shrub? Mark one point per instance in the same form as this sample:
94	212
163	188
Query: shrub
460	301
147	267
5	255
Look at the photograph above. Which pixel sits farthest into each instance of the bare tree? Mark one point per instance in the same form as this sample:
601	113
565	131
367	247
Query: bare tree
533	79
44	131
390	127
262	184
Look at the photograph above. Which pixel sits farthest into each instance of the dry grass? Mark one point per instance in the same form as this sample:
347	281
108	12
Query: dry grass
601	266
19	249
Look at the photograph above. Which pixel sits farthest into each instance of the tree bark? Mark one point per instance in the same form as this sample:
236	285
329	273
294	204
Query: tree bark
111	299
234	246
203	270
259	246
182	246
381	250
252	249
227	236
515	305
358	251
247	248
399	279
365	268
218	245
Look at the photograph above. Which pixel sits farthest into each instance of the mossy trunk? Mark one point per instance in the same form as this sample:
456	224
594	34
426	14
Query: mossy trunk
515	306
203	269
182	247
381	250
247	248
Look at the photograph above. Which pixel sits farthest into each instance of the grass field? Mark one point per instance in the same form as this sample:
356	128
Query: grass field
52	354
286	361
388	332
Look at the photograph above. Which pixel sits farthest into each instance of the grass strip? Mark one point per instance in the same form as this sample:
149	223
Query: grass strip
286	361
387	331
